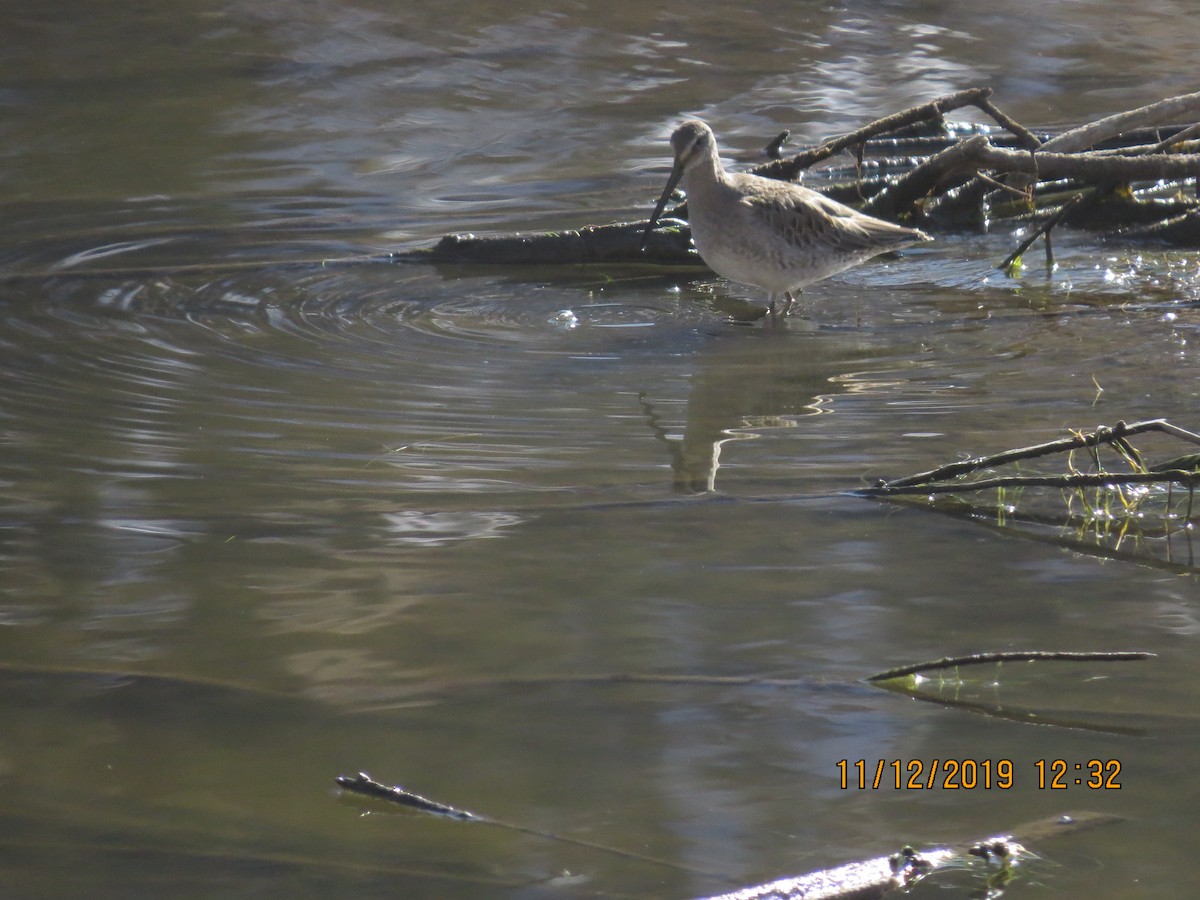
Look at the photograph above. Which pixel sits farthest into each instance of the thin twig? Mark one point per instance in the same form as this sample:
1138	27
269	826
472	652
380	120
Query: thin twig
1072	480
978	659
1022	193
788	169
1044	228
1102	435
775	149
1185	107
362	783
1179	137
365	785
1025	137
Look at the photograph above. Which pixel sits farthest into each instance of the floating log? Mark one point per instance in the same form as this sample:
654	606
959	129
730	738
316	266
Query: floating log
871	879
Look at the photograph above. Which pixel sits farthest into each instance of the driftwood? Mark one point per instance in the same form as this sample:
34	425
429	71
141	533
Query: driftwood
978	153
981	659
1173	109
965	202
980	97
616	242
876	878
953	186
950	478
909	165
1140	511
864	880
366	786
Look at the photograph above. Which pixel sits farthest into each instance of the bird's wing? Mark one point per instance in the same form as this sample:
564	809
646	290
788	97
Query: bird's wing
806	218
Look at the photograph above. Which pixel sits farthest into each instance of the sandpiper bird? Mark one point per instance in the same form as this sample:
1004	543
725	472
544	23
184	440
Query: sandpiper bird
771	234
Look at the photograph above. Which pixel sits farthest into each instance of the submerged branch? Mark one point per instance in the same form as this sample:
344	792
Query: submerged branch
1043	229
616	242
1019	715
977	659
366	786
901	680
1077	535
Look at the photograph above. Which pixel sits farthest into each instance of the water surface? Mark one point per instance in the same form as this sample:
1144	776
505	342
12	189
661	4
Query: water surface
309	519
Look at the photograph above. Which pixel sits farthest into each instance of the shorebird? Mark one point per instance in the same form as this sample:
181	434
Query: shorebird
771	234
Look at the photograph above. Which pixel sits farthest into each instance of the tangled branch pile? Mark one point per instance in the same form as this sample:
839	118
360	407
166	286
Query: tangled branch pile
1133	174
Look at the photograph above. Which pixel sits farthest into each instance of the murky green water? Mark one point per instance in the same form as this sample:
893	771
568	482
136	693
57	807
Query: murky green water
389	517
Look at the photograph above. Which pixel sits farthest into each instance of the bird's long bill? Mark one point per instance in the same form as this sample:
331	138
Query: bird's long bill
676	174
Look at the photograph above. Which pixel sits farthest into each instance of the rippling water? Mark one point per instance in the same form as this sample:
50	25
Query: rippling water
277	507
